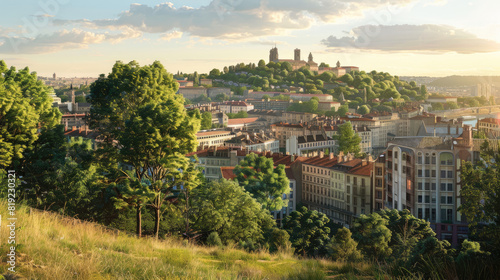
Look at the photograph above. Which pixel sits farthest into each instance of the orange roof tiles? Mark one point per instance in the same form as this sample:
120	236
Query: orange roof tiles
241	121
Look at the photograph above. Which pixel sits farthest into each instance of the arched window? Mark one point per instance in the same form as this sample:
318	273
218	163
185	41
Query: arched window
446	158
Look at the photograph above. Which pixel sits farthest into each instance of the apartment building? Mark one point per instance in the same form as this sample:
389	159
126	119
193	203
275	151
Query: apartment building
339	187
490	126
310	145
423	175
235	107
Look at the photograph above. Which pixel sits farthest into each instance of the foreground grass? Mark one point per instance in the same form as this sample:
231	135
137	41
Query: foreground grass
50	246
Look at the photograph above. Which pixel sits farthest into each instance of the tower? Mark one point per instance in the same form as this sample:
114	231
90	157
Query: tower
273	54
310	58
338	64
297	55
54	76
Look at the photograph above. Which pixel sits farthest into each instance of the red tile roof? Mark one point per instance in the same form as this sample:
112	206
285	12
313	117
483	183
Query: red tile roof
323	162
227	172
241	121
362	170
491	120
208	133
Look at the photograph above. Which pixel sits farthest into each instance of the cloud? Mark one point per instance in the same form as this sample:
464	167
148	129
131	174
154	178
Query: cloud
237	19
61	40
412	38
171	35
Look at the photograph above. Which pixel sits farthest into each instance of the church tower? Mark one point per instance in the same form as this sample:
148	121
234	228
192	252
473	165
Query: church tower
297	55
310	58
273	54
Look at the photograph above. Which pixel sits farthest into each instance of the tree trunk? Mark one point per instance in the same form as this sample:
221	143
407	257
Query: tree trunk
157	222
139	222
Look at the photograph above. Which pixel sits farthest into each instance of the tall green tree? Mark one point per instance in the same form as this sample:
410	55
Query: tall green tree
144	124
226	208
308	231
372	235
480	201
206	120
342	247
348	139
266	183
25	106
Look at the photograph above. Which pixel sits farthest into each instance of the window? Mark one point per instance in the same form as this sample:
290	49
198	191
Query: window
446	158
420	198
433	214
419	159
419	213
449	215
427	173
419	184
443	199
419	172
450	187
427	213
348	179
443	187
433	186
379	195
433	173
427	199
427	159
379	171
450	199
427	186
450	174
443	173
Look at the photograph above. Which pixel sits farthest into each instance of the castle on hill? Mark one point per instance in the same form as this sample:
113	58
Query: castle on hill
296	63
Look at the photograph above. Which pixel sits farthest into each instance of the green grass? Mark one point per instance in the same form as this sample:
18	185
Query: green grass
55	247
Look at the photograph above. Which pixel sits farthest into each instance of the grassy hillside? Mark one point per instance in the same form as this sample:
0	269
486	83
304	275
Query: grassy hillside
54	247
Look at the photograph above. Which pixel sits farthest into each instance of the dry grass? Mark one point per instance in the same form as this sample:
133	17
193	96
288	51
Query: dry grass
54	247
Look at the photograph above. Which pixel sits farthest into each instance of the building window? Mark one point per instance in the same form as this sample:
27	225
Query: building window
433	186
379	195
420	199
443	187
419	172
450	174
427	173
443	199
419	184
419	213
450	187
427	186
427	199
450	199
433	174
443	173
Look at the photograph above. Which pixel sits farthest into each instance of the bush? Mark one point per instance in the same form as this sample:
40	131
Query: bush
213	240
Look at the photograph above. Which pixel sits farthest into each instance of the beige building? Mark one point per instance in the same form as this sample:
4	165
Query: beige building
213	138
235	107
490	126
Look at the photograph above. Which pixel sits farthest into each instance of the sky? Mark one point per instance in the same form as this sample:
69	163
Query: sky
403	37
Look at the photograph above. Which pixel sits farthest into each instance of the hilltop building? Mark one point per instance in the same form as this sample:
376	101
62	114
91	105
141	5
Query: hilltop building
296	62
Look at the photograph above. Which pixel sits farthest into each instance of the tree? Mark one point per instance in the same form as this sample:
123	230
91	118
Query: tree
266	183
25	106
406	232
451	105
308	231
348	139
343	110
347	78
226	208
214	73
437	107
342	247
480	199
137	107
261	63
372	235
363	110
206	120
221	97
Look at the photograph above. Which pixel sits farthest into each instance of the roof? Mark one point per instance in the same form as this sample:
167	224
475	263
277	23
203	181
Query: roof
208	133
323	162
422	142
362	170
235	103
73	115
491	120
241	121
227	172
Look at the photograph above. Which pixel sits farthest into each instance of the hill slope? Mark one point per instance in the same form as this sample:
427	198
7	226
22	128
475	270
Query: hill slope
54	247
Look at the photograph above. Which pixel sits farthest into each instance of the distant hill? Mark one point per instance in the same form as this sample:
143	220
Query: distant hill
457	81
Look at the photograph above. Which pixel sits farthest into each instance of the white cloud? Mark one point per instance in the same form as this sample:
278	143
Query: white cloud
412	38
61	40
171	35
238	19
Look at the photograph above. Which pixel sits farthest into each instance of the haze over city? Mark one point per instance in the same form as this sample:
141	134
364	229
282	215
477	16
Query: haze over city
403	37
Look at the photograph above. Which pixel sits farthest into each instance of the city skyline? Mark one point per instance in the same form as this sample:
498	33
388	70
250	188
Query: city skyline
402	37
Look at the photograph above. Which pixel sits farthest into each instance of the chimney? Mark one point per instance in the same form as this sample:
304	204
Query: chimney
449	129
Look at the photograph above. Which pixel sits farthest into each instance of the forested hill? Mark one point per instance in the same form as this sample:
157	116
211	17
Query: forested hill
456	81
